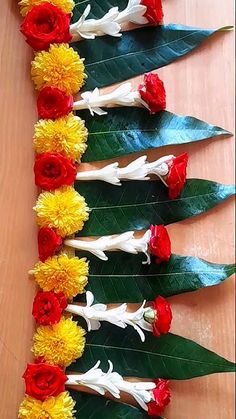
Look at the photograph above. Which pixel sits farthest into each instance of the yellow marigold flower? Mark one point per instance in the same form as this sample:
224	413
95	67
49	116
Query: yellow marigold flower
67	135
60	67
60	344
60	407
65	5
62	274
65	210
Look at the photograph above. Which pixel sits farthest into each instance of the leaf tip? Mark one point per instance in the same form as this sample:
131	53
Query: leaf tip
225	28
226	132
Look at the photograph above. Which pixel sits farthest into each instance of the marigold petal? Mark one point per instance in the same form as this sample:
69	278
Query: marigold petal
62	274
59	344
59	67
66	135
65	210
65	5
60	407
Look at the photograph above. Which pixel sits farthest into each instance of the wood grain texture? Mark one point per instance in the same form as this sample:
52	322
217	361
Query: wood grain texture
200	85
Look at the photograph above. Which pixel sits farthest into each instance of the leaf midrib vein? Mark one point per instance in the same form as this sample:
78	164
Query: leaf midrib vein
153	203
140	52
150	353
160	274
148	130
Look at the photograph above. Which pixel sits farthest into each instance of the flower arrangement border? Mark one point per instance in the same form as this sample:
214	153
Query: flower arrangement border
51	233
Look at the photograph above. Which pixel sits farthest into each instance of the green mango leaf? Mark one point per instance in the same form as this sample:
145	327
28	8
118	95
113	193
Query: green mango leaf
137	204
120	132
98	8
111	60
123	278
169	356
88	405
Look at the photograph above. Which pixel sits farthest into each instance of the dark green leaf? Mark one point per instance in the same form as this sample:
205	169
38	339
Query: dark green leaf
95	407
169	356
137	204
120	133
123	278
98	8
111	60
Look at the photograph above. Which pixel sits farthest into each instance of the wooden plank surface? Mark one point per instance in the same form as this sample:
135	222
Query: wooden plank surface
201	85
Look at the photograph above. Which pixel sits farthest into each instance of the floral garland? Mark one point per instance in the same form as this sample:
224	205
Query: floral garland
60	137
58	73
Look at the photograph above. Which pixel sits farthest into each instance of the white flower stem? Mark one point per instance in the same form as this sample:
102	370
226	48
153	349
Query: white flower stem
110	23
125	242
139	169
112	382
121	96
119	316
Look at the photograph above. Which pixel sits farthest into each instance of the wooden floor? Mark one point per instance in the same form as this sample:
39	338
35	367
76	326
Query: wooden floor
201	85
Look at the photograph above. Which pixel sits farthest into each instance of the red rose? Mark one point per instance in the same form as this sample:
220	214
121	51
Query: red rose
48	307
161	395
153	93
176	177
160	245
43	381
53	103
46	24
53	170
154	13
48	243
162	316
39	360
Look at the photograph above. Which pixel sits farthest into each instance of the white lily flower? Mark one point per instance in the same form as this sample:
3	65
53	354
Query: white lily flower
110	23
119	316
139	169
90	28
121	96
114	383
134	13
125	242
